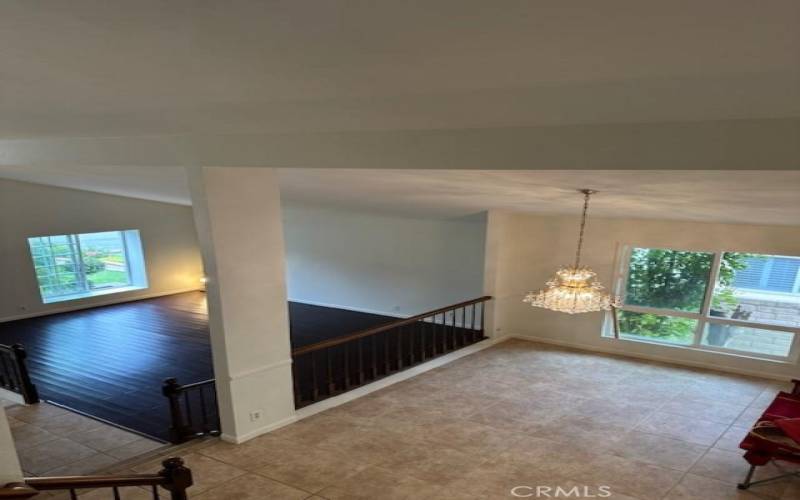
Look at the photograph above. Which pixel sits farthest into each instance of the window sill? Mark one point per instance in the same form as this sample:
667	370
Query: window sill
785	361
93	293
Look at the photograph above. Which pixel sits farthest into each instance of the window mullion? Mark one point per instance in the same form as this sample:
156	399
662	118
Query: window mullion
662	312
123	235
754	324
78	256
622	269
705	311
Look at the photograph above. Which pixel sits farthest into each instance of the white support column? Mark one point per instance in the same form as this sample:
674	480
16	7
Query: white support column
10	471
495	233
238	217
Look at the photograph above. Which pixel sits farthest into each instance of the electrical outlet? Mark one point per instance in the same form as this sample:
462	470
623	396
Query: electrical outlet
255	416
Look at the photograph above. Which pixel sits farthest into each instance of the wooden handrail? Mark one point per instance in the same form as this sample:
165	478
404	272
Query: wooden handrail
198	384
90	482
174	477
381	328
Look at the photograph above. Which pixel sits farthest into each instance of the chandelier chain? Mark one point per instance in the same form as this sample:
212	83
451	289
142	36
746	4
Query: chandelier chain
586	194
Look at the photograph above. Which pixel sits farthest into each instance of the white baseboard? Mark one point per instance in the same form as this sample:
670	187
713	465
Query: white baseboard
649	357
109	302
393	379
349	308
263	430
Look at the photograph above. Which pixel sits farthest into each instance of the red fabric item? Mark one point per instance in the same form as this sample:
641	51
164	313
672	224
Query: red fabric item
791	426
784	407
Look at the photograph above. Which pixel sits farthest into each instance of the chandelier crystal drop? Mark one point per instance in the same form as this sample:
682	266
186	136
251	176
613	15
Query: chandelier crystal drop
574	289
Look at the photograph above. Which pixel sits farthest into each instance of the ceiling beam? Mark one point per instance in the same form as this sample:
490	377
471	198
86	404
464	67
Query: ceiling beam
772	144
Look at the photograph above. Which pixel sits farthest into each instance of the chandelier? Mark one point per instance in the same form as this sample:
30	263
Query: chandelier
574	289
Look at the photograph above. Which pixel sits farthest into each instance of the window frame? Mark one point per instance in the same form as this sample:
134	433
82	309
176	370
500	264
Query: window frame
703	317
135	280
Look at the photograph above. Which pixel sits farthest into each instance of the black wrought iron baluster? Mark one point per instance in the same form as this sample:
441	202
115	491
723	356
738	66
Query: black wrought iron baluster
423	354
482	311
346	366
314	381
360	362
214	406
386	352
330	381
460	329
298	396
454	328
452	336
472	323
399	335
189	419
446	333
443	336
434	336
203	410
374	339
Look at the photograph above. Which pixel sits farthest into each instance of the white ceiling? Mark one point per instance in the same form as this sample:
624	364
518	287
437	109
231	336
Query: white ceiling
755	197
87	68
448	83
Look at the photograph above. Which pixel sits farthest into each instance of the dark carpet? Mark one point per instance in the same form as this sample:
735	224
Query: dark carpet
109	362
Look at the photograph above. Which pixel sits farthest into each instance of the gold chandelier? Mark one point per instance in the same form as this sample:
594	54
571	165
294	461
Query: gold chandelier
574	289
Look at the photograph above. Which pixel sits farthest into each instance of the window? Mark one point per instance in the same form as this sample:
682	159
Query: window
720	301
72	266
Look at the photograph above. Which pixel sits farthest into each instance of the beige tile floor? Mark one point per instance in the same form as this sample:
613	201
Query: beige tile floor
517	414
51	441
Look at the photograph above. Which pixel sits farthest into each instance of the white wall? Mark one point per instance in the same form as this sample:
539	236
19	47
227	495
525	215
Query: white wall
382	263
167	232
529	248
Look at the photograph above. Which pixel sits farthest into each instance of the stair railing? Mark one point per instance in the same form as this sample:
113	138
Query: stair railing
174	477
331	367
340	364
14	375
193	409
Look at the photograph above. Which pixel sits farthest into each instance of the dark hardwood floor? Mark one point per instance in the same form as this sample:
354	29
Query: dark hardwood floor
109	362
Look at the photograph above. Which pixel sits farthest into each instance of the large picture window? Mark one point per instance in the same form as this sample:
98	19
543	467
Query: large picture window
721	301
72	266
